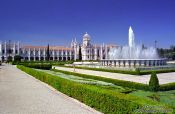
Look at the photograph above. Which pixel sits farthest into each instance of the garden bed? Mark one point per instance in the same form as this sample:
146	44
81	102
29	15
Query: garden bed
106	101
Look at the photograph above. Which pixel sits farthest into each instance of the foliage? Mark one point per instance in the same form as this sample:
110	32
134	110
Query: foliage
155	97
103	100
47	53
133	85
79	79
38	65
107	70
9	59
169	86
166	97
45	62
137	72
17	59
154	82
123	83
80	54
167	53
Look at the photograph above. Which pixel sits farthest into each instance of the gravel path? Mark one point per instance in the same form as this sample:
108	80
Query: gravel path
23	94
163	77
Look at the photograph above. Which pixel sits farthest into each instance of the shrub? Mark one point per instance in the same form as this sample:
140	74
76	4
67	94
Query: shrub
17	58
106	101
38	66
136	72
9	59
154	82
107	70
46	62
123	83
166	87
133	85
155	97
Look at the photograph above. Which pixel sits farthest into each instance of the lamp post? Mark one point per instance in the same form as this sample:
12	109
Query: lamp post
155	43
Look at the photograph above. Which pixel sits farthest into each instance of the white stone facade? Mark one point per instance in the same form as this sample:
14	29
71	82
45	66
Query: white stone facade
57	53
9	49
90	51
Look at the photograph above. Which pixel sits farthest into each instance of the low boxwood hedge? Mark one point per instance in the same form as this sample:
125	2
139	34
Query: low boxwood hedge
129	84
109	70
42	62
38	65
123	83
106	101
137	72
166	87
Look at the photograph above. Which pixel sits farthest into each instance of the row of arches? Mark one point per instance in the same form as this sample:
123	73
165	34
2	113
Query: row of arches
51	58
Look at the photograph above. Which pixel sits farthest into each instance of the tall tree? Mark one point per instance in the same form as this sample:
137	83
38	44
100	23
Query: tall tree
17	58
172	48
80	54
47	53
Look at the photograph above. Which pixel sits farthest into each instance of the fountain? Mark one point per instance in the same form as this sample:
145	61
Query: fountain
133	55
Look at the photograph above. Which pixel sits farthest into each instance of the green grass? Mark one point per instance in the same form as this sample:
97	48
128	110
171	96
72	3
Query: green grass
166	97
102	99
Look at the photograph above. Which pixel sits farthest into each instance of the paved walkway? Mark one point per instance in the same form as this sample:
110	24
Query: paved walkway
163	78
23	94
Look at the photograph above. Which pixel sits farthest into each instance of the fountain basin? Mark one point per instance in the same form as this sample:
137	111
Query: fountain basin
133	62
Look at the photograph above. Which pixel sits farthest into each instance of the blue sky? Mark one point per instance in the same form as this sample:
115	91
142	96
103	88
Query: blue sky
39	22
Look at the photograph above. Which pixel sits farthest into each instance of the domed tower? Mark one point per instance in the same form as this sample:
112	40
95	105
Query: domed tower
86	39
86	47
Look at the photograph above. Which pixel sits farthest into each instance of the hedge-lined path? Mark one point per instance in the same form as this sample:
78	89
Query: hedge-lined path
163	77
23	94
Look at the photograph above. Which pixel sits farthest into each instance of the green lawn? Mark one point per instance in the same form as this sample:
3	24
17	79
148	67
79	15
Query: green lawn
167	97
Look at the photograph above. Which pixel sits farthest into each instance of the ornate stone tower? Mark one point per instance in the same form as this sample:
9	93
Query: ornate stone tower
75	47
86	47
86	39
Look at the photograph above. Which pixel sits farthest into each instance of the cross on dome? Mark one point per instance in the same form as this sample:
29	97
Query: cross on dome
86	35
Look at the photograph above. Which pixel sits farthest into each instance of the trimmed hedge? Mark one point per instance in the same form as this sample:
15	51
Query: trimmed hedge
42	62
129	84
166	87
103	100
38	65
137	72
123	83
110	70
